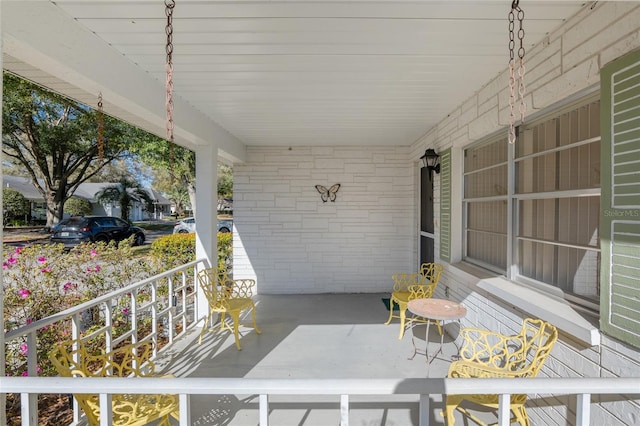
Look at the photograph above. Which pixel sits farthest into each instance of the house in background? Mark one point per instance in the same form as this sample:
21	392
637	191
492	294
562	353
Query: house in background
88	191
25	187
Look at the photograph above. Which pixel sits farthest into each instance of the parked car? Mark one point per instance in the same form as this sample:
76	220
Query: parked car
78	229
188	224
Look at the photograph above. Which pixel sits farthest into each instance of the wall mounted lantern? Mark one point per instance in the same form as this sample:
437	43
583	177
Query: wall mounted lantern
431	161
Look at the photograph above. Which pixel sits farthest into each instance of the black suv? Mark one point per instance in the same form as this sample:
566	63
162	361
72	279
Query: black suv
79	229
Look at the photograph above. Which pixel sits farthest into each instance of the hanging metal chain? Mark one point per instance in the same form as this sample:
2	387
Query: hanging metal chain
513	80
100	128
169	5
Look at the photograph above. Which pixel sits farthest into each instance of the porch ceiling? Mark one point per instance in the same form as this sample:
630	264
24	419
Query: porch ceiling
275	72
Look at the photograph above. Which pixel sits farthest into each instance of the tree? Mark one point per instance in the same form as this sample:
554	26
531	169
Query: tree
77	206
14	203
180	199
55	140
225	181
176	167
121	193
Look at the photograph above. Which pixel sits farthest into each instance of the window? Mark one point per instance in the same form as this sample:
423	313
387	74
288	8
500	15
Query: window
557	168
554	205
485	204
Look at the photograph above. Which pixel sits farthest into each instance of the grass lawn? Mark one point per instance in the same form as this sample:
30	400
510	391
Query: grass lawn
155	226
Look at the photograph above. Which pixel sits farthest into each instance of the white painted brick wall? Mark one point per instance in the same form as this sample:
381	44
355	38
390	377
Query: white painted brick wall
292	242
567	63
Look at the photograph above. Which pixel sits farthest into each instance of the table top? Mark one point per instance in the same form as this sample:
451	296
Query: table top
437	309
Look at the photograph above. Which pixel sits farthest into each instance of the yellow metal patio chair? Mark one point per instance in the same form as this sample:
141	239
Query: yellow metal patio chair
227	296
485	354
71	359
407	287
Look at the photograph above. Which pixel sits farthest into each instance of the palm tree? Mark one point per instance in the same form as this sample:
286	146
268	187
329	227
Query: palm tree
180	199
121	193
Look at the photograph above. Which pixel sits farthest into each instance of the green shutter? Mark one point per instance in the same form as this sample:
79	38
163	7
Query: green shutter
620	200
445	205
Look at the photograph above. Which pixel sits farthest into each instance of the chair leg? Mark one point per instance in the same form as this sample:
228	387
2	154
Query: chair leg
253	316
222	322
521	415
205	327
403	317
439	327
451	404
235	316
391	302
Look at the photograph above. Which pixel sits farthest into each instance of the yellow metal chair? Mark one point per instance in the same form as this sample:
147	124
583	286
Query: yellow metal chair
227	296
71	359
407	287
485	354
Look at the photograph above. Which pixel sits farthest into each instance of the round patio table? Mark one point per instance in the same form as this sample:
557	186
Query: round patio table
435	310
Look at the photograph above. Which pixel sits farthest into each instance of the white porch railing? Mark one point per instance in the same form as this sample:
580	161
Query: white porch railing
583	388
171	299
166	302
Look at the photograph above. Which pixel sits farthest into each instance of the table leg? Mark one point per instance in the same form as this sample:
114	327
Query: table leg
456	356
413	340
439	349
426	344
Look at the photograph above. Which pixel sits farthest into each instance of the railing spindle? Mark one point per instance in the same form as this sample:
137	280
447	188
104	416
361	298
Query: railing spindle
583	409
106	414
264	409
504	409
344	410
423	416
185	409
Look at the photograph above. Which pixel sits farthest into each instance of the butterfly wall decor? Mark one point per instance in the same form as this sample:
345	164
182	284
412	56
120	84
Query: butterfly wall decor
328	194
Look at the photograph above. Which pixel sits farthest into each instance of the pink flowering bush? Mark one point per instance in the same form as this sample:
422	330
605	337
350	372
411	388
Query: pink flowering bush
42	280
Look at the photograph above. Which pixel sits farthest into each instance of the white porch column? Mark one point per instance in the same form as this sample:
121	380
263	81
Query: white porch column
206	209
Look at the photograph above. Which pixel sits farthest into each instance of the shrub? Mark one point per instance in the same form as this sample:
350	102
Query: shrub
174	250
15	204
76	206
225	250
42	280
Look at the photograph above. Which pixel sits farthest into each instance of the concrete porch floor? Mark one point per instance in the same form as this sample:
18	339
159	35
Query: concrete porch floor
312	336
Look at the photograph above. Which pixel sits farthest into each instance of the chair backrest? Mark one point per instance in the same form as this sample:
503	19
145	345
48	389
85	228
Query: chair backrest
422	291
71	359
537	338
431	271
219	289
403	282
217	295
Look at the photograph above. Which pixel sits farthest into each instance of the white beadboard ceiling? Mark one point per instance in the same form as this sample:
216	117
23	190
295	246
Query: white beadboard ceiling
313	72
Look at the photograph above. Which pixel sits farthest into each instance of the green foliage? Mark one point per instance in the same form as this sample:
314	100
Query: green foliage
225	181
225	250
174	250
174	160
180	199
14	204
77	206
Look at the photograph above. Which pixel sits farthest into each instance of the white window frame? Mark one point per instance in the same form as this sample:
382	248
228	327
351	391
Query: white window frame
512	272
